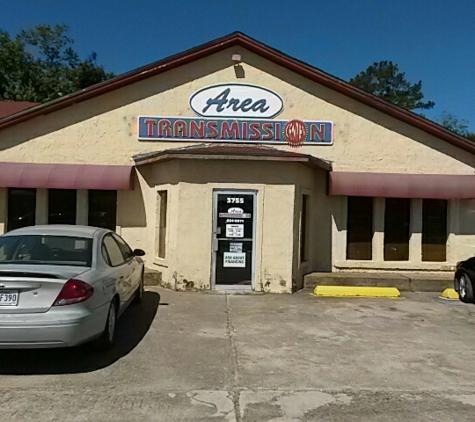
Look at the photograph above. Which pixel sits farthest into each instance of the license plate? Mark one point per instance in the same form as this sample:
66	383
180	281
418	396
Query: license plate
9	297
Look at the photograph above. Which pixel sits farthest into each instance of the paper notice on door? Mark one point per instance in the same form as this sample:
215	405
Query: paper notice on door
234	259
234	230
235	247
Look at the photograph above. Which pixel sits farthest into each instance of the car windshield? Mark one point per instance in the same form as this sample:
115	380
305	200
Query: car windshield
46	250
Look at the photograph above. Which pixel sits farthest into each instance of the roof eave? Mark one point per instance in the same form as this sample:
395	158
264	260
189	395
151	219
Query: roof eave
167	156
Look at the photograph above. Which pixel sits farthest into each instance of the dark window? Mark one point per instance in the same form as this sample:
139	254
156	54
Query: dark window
360	228
303	230
21	208
396	229
102	208
113	251
434	230
62	206
162	223
124	248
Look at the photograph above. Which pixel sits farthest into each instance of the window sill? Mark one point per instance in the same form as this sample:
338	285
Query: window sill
160	262
395	265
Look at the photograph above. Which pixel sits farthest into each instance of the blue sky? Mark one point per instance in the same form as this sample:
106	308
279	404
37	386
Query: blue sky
430	40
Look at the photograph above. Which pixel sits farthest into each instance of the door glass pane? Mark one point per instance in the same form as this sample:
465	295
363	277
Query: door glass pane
62	206
434	230
21	208
360	228
234	262
105	254
102	208
124	248
234	237
396	229
113	250
235	219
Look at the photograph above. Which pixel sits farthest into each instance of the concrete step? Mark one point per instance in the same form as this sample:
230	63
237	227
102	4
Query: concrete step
152	277
412	282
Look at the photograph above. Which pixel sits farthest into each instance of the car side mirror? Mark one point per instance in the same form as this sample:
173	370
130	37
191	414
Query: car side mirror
139	252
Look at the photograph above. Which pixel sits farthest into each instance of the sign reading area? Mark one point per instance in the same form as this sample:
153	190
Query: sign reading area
236	100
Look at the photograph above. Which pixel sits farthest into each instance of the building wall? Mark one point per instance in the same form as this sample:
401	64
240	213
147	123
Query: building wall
103	130
365	139
137	215
313	183
461	244
188	263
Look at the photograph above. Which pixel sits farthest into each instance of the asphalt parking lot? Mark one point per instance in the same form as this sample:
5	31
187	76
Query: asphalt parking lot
218	357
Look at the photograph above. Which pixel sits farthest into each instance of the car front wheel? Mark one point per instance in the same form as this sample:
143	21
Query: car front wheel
465	288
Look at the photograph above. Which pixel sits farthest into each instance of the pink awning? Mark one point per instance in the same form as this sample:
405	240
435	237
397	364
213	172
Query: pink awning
65	176
393	185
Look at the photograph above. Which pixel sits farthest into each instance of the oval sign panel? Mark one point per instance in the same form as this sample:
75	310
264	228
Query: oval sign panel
236	100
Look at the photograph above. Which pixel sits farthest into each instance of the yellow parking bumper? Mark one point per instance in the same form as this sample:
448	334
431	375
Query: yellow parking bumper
449	294
356	291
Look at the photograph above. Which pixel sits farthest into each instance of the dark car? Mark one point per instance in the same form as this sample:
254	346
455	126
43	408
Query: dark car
464	280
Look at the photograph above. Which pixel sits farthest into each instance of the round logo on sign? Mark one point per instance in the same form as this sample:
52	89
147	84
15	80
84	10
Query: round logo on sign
295	132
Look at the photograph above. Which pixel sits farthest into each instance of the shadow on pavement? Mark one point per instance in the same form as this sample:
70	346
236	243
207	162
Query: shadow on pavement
131	328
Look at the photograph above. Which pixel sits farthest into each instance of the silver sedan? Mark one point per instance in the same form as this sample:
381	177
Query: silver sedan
65	285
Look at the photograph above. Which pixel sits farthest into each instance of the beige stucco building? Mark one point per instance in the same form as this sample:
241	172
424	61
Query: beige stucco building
233	165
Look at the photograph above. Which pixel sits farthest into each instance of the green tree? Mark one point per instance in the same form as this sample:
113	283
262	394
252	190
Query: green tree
15	69
40	64
459	126
449	121
384	80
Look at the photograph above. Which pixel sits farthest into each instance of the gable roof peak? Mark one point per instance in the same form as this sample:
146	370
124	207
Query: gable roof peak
257	47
